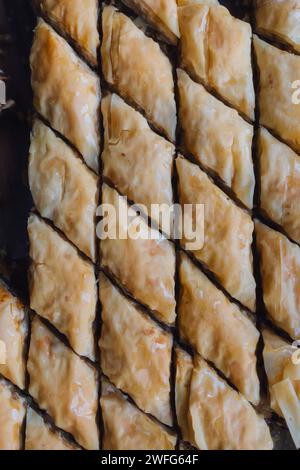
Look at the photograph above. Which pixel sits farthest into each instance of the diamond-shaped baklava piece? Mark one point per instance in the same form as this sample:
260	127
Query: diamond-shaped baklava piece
279	19
279	73
12	413
281	361
64	190
13	331
280	272
62	286
128	428
137	68
161	14
139	257
135	159
228	232
135	353
79	20
212	414
216	50
218	329
217	137
280	183
64	385
41	436
66	92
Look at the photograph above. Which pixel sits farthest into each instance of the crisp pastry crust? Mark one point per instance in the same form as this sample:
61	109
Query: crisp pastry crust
278	73
161	14
215	416
13	331
280	272
135	353
281	19
217	137
62	286
63	189
144	262
220	60
127	428
218	329
280	183
66	92
79	20
228	232
184	372
40	436
138	69
64	385
278	363
135	159
12	413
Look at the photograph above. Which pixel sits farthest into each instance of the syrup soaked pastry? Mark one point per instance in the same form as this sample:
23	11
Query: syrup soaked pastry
161	14
217	417
184	371
282	366
279	19
62	286
41	436
218	329
280	183
64	385
13	330
228	233
12	413
128	428
217	137
135	353
66	92
280	272
216	50
137	160
77	18
140	258
138	69
63	189
279	72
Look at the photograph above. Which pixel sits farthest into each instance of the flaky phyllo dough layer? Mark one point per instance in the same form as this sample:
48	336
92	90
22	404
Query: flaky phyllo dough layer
146	343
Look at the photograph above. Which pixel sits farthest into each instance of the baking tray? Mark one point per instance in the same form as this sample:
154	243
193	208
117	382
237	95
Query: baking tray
17	21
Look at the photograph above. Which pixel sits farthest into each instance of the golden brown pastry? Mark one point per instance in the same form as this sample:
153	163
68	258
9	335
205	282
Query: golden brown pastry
12	413
280	272
77	18
63	188
62	286
283	372
127	428
135	353
184	372
161	14
13	331
228	233
216	50
218	329
40	436
217	137
66	92
137	160
279	71
64	385
140	258
218	417
281	19
280	183
138	69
